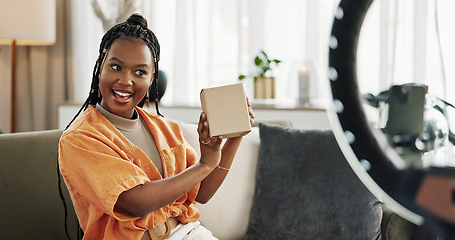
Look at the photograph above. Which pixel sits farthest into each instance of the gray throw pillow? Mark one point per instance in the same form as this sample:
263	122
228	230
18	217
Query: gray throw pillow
305	189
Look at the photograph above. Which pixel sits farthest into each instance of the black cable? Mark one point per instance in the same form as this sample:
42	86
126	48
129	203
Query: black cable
63	200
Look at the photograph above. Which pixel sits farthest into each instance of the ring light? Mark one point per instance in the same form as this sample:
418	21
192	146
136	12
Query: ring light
419	195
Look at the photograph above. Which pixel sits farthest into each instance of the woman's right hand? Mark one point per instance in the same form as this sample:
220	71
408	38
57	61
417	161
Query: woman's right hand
210	148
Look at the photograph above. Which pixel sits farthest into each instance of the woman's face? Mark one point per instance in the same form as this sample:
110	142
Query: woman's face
126	74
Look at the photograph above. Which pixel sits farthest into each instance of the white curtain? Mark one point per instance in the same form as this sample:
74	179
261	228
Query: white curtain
407	42
208	43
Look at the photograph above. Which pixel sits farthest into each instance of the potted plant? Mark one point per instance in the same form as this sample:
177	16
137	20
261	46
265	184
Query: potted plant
264	82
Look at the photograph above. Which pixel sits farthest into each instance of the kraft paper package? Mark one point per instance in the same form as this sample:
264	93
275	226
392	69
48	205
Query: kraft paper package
227	110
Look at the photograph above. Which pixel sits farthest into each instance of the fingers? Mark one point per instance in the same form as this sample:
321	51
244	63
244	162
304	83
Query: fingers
204	142
251	113
217	140
203	131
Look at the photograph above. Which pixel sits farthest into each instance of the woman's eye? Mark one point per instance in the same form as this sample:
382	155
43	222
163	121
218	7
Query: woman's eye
140	72
116	67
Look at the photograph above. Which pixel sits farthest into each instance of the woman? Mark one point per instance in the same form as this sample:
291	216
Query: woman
130	173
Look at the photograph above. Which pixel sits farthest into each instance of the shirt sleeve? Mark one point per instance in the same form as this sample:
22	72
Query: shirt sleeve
99	171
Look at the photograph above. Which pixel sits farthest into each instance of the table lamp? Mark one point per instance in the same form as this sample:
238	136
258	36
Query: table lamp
25	23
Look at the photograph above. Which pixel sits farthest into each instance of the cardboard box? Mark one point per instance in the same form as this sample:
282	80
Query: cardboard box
226	110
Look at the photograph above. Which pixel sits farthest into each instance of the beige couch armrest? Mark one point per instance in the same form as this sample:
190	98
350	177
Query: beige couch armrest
227	213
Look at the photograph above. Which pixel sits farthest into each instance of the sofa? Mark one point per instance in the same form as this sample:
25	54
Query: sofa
284	183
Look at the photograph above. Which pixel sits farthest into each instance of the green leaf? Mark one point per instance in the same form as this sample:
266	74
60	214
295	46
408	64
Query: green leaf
263	65
257	61
265	55
439	109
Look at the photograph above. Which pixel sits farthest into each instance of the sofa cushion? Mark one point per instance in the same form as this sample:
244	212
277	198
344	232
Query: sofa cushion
305	189
227	213
30	204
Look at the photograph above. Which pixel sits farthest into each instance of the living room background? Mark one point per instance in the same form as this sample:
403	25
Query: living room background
207	43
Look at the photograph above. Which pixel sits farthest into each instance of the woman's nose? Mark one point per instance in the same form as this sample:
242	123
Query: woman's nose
126	78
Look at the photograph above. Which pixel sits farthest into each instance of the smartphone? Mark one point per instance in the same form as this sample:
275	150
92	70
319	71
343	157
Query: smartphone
405	109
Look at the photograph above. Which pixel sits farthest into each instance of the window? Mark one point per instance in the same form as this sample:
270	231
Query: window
210	42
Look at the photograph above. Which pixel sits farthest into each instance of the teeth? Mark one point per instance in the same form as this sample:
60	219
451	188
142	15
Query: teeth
122	94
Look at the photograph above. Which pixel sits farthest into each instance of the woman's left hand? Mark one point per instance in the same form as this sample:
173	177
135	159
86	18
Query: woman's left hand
210	184
210	147
204	134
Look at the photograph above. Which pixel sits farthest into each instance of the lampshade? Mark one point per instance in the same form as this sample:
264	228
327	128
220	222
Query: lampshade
28	22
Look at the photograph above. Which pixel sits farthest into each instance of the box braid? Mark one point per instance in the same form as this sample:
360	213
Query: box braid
134	27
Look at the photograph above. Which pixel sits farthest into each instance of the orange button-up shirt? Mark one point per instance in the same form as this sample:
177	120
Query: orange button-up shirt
98	163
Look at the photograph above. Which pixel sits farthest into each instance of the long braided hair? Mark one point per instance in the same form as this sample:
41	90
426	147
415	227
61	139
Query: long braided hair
134	27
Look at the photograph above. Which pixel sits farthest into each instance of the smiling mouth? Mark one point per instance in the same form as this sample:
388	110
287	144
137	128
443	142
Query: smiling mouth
122	97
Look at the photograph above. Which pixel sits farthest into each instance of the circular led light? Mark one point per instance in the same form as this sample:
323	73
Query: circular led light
367	150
